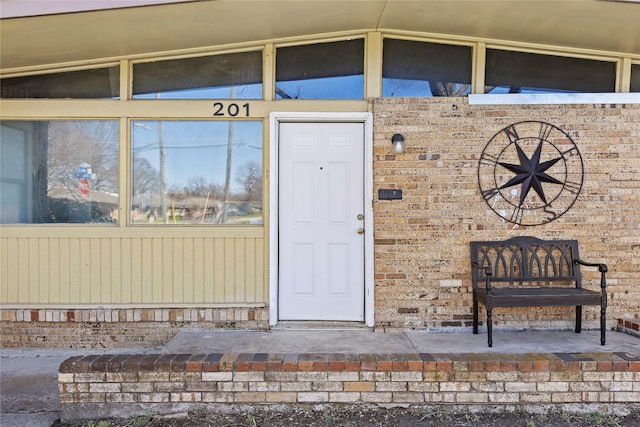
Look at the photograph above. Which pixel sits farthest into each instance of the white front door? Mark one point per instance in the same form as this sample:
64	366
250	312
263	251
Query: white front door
321	221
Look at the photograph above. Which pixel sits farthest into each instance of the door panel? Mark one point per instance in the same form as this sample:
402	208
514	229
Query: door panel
321	194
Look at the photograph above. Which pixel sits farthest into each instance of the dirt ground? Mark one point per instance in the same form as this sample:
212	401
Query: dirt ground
358	417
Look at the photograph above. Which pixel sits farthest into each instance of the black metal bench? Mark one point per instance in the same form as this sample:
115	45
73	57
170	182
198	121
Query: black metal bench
530	272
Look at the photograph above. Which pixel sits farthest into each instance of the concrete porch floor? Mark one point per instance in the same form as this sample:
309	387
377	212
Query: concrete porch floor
344	340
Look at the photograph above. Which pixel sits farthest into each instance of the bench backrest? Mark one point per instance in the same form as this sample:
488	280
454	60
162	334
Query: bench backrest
527	259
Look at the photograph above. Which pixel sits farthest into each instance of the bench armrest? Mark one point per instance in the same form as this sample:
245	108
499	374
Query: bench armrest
487	273
601	267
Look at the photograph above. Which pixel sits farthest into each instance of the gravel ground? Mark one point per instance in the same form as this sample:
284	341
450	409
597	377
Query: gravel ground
358	417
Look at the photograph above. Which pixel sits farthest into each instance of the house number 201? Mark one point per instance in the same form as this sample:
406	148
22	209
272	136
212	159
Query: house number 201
231	110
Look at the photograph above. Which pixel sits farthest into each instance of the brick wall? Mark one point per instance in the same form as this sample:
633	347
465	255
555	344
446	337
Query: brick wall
422	267
128	385
117	328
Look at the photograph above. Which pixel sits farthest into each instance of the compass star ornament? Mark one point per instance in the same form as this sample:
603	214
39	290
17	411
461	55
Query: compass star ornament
526	156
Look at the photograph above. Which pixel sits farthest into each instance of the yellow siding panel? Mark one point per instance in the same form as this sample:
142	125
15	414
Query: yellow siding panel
150	270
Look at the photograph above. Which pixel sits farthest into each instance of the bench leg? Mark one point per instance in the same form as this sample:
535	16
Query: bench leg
578	318
603	323
490	326
475	316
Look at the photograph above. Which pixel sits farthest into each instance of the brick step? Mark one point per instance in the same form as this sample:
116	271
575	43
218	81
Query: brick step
629	326
139	384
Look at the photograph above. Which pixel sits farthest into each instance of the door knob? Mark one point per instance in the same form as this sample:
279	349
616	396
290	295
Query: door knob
360	217
360	230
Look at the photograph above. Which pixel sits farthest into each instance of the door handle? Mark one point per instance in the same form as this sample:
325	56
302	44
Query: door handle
360	230
360	217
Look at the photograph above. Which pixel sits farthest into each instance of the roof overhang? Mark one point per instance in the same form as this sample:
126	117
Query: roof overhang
595	26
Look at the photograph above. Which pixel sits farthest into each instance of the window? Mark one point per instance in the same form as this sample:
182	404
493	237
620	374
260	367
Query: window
229	76
321	71
97	83
411	68
59	172
635	78
196	172
520	72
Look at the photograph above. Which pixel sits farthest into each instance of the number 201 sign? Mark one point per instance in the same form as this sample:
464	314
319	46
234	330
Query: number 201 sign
221	109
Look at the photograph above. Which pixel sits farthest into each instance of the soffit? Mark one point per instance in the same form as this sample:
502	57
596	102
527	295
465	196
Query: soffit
88	36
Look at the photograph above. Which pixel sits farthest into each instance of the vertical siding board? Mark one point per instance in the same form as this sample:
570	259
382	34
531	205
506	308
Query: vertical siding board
250	271
126	272
229	270
198	271
114	282
43	280
65	272
4	283
152	283
95	269
33	265
261	284
75	270
240	262
156	269
85	270
8	290
178	271
209	255
137	266
165	268
23	270
219	271
188	269
54	270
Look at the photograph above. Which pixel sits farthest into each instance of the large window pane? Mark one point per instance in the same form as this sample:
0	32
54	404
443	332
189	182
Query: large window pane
230	76
520	72
196	172
321	71
98	83
411	68
635	78
59	172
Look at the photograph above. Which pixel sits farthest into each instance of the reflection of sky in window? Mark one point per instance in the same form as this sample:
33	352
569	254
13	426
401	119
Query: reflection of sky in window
253	91
198	149
342	87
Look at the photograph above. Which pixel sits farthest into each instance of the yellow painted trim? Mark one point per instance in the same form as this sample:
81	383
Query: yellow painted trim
373	65
63	231
268	72
478	68
164	109
623	76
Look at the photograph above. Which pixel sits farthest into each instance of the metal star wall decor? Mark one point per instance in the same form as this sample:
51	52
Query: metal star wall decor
527	156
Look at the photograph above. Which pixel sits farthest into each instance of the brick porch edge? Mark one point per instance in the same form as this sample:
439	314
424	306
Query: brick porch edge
154	384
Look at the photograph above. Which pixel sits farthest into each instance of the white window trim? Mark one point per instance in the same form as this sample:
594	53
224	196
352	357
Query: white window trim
559	98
